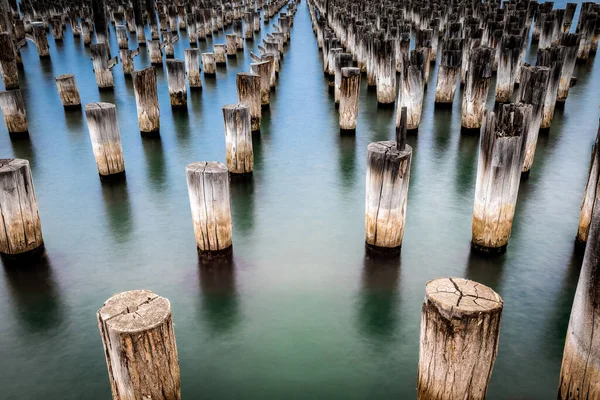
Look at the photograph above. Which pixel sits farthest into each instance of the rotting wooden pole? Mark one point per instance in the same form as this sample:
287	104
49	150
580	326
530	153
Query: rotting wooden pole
122	39
510	50
589	195
553	58
155	51
139	346
349	95
231	40
86	32
40	39
208	189
208	63
386	73
579	373
571	44
176	83
501	155
192	66
102	65
248	89
238	139
170	38
146	100
20	225
449	71
192	30
101	23
13	109
411	92
460	329
248	26
8	62
477	84
532	90
263	69
388	174
106	139
220	52
127	60
344	60
67	90
139	22
237	30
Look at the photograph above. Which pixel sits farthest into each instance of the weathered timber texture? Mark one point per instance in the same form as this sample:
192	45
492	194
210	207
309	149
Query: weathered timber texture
67	91
411	92
155	51
102	70
8	62
477	84
176	82
238	139
192	66
127	60
208	63
263	69
590	194
146	100
13	109
106	138
248	90
448	71
40	39
510	50
349	94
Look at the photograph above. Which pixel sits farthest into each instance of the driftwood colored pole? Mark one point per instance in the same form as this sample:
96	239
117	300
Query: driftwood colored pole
510	50
139	346
248	89
155	51
589	195
67	90
13	109
238	139
86	32
231	40
220	52
122	39
579	374
176	82
106	138
127	60
208	63
349	94
460	328
448	71
411	92
208	189
502	151
146	100
477	84
40	39
192	66
263	69
103	66
571	44
20	225
8	62
386	72
553	58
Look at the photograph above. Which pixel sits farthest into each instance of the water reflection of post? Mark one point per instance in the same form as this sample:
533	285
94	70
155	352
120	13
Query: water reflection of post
36	298
219	295
155	161
23	148
486	270
466	164
118	208
242	204
442	124
347	162
378	316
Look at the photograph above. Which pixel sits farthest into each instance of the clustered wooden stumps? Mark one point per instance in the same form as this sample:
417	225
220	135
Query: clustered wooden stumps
580	374
460	329
8	62
238	139
388	175
13	109
192	66
146	100
208	63
477	84
208	188
589	195
20	225
349	94
106	139
176	82
501	156
139	345
67	90
248	89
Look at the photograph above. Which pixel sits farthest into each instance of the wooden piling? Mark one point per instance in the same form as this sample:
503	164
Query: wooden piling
231	40
122	39
20	225
127	60
571	45
155	51
553	58
208	188
501	156
208	63
460	328
67	91
146	100
238	139
341	61
349	95
477	84
411	91
102	65
263	69
449	71
13	109
248	89
40	39
386	72
176	82
589	195
139	346
220	52
8	62
510	50
86	32
192	66
106	139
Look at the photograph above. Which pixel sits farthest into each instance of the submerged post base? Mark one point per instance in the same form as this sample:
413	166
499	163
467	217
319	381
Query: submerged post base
212	254
382	251
488	251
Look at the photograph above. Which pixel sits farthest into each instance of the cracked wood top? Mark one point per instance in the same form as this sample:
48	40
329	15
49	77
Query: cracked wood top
134	311
463	296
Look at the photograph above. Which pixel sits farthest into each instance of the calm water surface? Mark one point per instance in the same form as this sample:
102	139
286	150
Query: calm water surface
302	312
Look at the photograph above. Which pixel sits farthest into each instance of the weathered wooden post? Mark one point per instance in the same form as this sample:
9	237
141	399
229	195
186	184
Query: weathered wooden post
146	100
231	40
411	92
139	346
106	139
127	60
386	72
571	44
553	58
67	90
248	89
170	38
176	82
208	63
8	62
238	139
349	94
532	90
13	108
192	65
477	84
208	188
248	26
388	174
510	50
86	32
192	30
122	39
20	225
587	31
263	69
460	328
589	195
448	71
40	39
155	51
579	374
341	61
103	66
220	53
501	156
237	30
101	23
139	22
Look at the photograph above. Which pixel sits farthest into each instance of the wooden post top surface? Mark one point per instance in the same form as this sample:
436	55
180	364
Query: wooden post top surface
234	107
209	167
11	164
98	105
388	146
64	76
462	297
135	311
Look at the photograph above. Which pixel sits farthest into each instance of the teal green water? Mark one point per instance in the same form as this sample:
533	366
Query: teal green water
302	312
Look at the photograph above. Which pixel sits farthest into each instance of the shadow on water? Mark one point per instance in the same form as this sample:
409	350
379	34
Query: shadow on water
346	160
257	149
181	124
74	120
118	208
485	269
107	96
210	83
35	295
466	163
47	69
219	298
379	297
129	86
442	131
242	204
155	161
195	98
23	148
